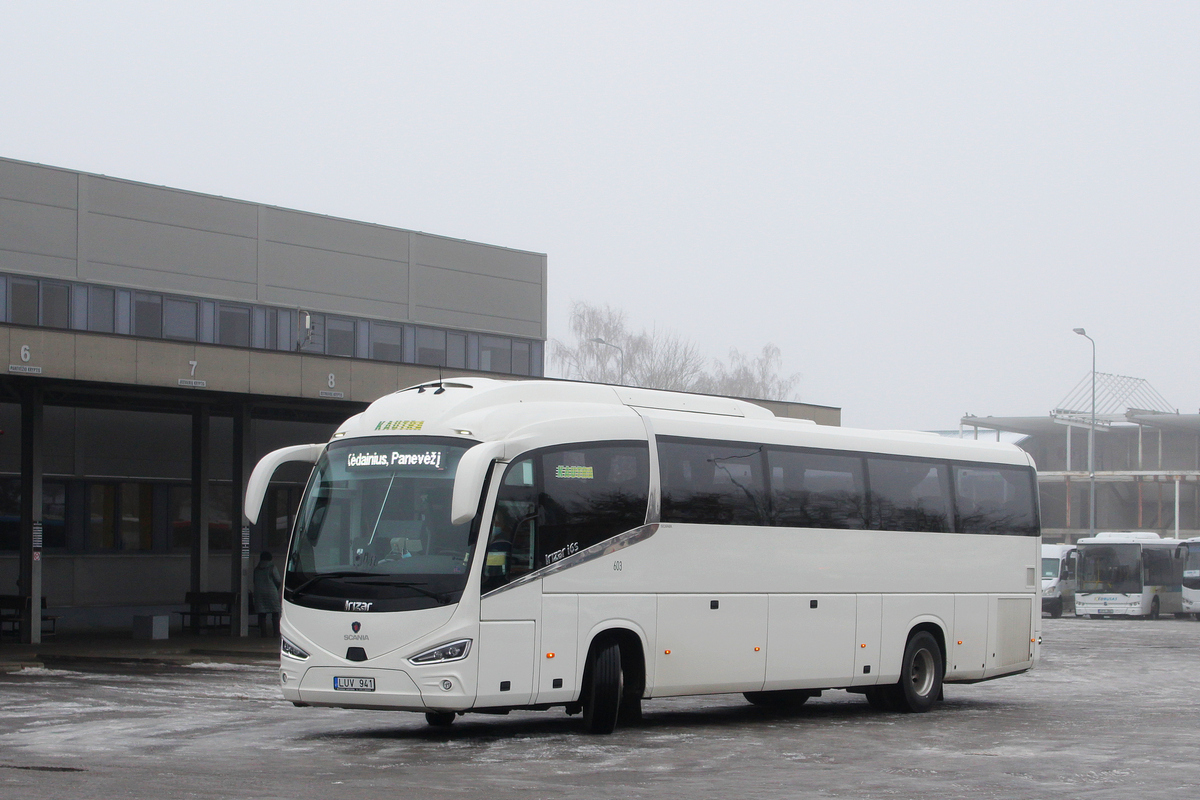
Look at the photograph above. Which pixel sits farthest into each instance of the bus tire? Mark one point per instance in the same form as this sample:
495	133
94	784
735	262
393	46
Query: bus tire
921	674
605	687
440	719
784	698
1154	608
1056	610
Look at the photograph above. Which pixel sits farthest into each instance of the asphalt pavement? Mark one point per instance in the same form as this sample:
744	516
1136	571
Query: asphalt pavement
1107	716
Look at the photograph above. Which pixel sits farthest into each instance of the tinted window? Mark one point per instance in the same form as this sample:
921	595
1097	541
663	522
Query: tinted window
590	494
817	490
495	354
431	347
909	495
520	358
147	315
709	482
456	350
179	319
23	300
56	305
385	341
339	337
100	309
563	500
233	325
998	500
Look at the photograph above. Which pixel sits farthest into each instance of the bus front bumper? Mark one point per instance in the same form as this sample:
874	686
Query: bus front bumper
359	687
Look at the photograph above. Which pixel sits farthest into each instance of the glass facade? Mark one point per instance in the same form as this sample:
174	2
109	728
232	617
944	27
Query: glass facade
157	315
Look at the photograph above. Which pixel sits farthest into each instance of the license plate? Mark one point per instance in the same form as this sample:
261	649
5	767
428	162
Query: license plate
354	684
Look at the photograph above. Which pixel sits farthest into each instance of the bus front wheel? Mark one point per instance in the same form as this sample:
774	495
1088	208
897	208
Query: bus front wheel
440	719
605	686
921	675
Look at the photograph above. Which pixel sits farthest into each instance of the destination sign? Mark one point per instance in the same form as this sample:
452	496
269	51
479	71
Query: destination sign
386	457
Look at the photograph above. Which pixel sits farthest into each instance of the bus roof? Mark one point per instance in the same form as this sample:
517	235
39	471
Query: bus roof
487	409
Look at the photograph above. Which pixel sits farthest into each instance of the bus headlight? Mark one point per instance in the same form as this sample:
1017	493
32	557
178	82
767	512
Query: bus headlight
289	649
451	651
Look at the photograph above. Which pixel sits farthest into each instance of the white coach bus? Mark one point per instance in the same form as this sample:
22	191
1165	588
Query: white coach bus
1129	574
479	545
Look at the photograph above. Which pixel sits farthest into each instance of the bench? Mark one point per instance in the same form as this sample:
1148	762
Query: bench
208	611
12	613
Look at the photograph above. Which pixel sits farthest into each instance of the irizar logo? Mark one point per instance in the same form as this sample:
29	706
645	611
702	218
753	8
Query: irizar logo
358	605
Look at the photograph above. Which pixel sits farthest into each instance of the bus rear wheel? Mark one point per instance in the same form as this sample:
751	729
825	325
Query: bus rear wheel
440	719
921	674
604	689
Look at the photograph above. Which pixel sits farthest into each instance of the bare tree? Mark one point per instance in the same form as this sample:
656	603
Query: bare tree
751	377
606	351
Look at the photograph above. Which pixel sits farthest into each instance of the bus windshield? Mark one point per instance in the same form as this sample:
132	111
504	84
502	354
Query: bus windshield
1110	568
374	526
1050	568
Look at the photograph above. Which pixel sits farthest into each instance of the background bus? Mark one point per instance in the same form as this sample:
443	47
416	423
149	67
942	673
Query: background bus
1190	595
476	545
1129	573
1058	578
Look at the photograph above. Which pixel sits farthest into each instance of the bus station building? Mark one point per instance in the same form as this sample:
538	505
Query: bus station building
160	341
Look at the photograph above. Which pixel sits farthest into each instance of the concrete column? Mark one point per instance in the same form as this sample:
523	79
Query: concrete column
30	575
200	497
239	558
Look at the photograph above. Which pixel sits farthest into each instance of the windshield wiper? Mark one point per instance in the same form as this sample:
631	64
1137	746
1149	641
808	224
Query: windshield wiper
416	587
344	574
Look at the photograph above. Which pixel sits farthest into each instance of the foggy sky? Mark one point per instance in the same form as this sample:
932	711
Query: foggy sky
916	202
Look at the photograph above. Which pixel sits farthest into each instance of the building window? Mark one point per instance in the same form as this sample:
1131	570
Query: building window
520	358
431	347
233	325
495	354
147	315
339	337
101	309
456	350
56	305
286	330
179	517
102	516
23	302
137	516
386	341
266	329
179	319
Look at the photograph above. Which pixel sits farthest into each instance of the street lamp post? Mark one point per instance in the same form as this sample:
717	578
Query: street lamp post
1091	438
621	352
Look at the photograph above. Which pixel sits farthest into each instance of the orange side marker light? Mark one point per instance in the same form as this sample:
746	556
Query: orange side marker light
666	652
549	655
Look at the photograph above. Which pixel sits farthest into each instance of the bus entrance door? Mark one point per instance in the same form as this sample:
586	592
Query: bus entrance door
507	641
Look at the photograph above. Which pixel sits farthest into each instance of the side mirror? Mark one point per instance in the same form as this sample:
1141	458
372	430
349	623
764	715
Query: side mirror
256	488
468	480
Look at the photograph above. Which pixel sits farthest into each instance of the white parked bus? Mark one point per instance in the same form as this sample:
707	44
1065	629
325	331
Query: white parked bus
1190	594
1058	578
1130	574
479	545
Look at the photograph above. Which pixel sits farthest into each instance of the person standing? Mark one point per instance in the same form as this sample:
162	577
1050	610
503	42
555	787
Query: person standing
267	584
